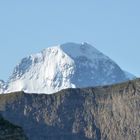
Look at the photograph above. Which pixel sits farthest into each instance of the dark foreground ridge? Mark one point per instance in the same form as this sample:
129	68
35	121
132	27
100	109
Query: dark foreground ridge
8	131
102	113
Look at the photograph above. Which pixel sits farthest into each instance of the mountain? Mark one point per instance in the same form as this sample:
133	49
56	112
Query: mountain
101	113
8	131
129	75
2	86
64	66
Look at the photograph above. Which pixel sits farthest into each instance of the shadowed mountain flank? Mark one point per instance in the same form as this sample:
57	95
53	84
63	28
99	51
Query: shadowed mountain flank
8	131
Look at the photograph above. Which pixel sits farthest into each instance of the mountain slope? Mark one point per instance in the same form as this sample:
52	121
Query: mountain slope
2	86
101	113
8	131
64	66
130	75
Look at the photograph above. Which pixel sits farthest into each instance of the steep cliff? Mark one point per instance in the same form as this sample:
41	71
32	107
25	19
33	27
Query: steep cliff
101	113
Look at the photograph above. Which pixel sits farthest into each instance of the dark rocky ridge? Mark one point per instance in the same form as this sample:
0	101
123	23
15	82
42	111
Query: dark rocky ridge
101	113
8	131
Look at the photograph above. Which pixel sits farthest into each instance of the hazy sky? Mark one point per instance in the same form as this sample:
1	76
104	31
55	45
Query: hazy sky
28	26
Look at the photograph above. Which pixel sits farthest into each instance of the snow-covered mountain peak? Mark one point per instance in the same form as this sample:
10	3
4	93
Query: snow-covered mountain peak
75	50
65	53
47	71
69	65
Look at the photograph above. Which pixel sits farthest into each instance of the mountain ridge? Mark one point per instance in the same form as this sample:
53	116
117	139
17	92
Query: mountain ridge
103	113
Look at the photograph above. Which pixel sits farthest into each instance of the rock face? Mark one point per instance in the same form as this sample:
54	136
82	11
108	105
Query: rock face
8	131
102	113
64	66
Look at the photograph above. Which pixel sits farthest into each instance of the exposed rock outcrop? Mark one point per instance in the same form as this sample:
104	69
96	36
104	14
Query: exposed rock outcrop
101	113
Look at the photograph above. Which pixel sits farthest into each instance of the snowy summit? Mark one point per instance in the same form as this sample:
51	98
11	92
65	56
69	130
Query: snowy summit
64	66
